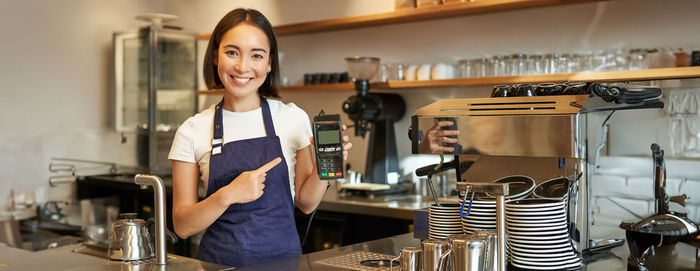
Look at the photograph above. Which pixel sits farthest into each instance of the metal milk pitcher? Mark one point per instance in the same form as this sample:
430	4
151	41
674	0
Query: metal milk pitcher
491	238
409	259
469	252
435	253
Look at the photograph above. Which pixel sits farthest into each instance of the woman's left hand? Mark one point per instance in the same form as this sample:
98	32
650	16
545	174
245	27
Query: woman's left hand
346	144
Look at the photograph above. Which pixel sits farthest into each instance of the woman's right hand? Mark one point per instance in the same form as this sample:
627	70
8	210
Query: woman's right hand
249	185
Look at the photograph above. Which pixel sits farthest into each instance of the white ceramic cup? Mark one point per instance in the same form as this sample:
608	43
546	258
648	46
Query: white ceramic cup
442	71
423	72
411	72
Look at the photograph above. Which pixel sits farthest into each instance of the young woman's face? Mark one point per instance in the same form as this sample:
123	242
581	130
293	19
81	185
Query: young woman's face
243	59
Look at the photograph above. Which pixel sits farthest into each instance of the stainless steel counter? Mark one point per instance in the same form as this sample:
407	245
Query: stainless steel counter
62	258
616	261
393	206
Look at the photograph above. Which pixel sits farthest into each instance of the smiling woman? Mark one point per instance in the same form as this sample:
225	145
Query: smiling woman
252	153
246	19
243	62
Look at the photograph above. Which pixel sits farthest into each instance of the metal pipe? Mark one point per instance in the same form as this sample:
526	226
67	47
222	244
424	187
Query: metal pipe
54	180
501	227
159	200
152	98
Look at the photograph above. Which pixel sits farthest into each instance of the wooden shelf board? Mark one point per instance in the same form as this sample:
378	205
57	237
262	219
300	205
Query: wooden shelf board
639	75
320	87
413	15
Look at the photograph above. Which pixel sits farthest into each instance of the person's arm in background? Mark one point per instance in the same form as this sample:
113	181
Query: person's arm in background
432	142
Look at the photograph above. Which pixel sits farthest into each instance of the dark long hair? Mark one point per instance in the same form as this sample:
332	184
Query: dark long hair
269	88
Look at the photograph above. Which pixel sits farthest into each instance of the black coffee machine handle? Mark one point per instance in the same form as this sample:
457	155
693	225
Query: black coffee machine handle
624	93
431	170
660	196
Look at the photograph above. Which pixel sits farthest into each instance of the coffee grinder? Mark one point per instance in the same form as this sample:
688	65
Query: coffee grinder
376	113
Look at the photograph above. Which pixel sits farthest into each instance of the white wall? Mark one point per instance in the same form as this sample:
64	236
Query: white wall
55	69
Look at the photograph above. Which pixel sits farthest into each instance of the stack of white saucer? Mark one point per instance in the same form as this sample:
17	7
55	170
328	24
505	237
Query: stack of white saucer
538	237
444	220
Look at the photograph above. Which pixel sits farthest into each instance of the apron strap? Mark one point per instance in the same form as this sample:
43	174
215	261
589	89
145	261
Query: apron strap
217	140
267	117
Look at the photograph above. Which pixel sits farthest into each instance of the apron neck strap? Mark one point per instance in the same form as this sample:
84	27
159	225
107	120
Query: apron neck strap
267	117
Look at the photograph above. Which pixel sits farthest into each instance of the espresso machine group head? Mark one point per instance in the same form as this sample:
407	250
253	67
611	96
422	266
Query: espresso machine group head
376	113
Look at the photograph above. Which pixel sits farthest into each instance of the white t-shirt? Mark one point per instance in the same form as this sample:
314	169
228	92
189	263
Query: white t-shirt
192	142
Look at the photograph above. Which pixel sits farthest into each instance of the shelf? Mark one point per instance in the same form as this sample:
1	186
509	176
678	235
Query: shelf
638	75
320	87
414	15
617	76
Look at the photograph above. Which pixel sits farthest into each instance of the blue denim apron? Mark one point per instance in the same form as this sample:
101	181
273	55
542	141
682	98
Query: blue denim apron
257	231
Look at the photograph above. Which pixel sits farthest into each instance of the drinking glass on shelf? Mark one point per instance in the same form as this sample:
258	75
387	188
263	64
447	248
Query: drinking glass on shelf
382	74
598	61
586	62
464	67
508	60
563	63
489	63
637	59
535	64
499	67
621	59
395	71
517	64
478	67
575	63
482	68
550	63
615	60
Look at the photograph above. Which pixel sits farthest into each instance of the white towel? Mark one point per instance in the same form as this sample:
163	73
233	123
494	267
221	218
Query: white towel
682	101
682	106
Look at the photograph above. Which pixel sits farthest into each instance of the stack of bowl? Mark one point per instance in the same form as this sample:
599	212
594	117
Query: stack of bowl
557	188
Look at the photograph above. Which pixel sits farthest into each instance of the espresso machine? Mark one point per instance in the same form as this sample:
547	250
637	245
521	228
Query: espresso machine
542	137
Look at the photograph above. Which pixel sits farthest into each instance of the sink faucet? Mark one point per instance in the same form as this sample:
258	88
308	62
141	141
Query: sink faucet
159	198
